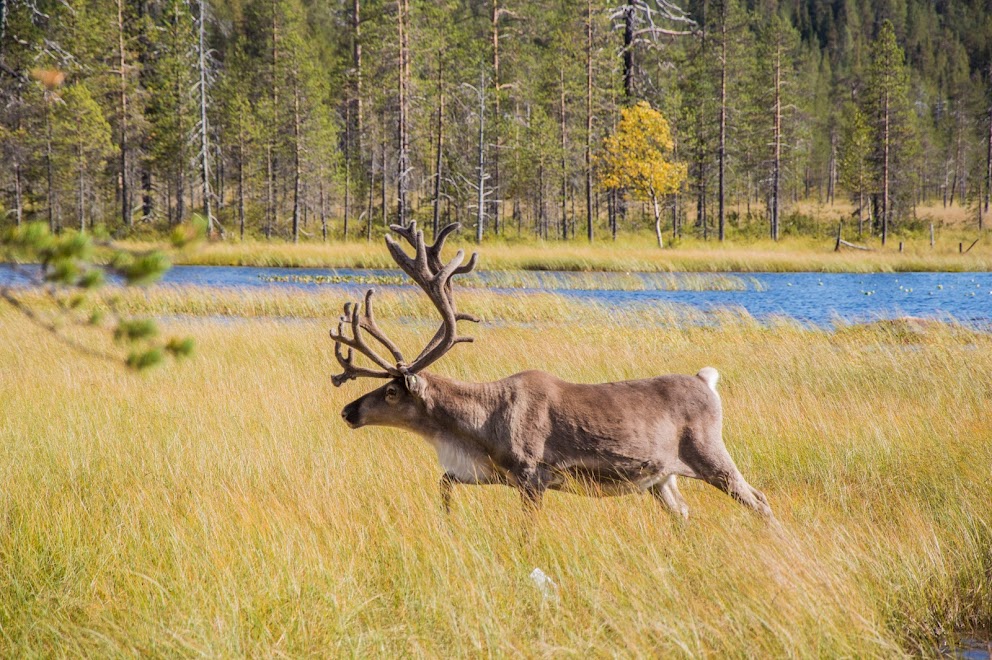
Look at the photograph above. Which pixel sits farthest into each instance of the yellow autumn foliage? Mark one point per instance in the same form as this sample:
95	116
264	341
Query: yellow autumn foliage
635	156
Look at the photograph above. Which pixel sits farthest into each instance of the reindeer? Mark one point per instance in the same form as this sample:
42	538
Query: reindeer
533	431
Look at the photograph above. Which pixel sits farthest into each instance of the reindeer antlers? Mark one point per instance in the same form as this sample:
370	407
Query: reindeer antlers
434	277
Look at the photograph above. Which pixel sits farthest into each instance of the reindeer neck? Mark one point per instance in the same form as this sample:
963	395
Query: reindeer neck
461	408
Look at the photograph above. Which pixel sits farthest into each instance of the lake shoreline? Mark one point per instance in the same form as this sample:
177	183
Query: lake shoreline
630	254
824	300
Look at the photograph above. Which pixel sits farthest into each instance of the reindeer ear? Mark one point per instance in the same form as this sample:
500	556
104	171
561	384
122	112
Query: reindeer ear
412	383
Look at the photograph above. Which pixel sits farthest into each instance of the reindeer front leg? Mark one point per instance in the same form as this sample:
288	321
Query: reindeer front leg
449	480
447	484
532	481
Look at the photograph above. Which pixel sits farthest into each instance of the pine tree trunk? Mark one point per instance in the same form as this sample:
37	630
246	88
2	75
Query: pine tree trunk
777	166
628	51
480	219
403	161
611	213
274	92
988	160
885	166
356	32
832	168
347	169
564	173
125	183
382	156
80	207
495	203
439	146
861	209
204	128
270	201
18	201
323	210
589	120
297	174
723	123
241	177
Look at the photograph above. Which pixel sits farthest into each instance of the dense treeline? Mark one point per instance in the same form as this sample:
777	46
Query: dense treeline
290	118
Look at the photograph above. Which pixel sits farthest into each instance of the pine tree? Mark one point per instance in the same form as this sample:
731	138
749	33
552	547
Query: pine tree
82	145
172	112
855	150
891	120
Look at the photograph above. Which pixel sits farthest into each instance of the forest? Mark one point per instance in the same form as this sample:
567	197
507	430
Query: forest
304	120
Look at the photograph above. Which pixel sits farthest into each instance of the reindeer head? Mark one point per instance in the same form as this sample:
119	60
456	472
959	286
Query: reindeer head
396	403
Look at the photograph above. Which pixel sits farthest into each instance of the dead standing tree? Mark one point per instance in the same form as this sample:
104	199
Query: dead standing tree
643	21
482	177
203	64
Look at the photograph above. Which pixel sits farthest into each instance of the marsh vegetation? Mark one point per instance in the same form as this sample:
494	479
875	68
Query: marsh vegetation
220	507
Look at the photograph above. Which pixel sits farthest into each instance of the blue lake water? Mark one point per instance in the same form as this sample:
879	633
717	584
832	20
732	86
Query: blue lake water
816	298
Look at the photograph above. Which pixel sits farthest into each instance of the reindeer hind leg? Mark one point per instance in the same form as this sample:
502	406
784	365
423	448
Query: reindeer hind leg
708	459
667	492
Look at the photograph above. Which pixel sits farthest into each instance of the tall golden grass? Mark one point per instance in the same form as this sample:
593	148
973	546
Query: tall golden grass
630	254
220	507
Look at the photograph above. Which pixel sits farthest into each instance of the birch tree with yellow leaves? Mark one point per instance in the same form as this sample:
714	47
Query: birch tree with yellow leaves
636	158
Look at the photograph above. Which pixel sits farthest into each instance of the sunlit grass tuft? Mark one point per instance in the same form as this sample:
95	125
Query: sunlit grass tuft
220	507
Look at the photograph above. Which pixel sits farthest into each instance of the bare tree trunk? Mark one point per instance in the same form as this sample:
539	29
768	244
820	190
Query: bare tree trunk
657	218
589	120
403	161
832	167
220	177
356	32
297	174
125	183
480	220
988	161
957	158
382	156
241	176
18	201
611	213
347	169
885	166
628	51
440	145
564	173
497	136
80	207
542	225
271	173
776	171
323	210
368	215
204	127
270	201
861	207
722	193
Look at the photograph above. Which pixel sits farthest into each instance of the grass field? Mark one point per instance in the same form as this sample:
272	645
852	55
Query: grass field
220	507
809	247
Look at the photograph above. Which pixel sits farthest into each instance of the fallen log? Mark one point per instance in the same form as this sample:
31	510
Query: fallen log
842	242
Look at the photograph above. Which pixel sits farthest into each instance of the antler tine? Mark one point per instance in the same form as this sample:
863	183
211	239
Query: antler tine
368	324
434	250
409	232
434	277
358	322
350	370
